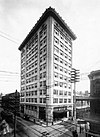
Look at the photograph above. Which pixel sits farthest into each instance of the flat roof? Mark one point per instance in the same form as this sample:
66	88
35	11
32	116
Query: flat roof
48	12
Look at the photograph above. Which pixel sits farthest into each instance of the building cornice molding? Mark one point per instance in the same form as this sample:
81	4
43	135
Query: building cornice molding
48	12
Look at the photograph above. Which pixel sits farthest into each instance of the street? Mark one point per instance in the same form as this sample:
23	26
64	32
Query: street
26	128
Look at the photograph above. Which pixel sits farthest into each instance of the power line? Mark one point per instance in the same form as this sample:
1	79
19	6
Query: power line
9	39
2	71
8	35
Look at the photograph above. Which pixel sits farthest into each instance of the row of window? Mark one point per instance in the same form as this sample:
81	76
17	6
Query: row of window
43	42
43	100
43	50
62	32
43	67
61	92
43	32
43	91
62	77
22	66
43	58
31	86
31	93
23	60
32	51
34	71
31	42
62	61
43	83
32	65
22	89
23	82
22	53
30	107
22	71
62	46
62	69
34	57
31	100
61	84
61	100
62	53
32	79
43	75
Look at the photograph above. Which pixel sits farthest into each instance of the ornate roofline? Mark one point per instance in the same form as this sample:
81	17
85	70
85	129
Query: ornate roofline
48	12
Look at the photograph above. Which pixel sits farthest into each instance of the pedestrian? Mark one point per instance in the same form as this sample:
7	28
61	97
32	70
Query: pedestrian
75	134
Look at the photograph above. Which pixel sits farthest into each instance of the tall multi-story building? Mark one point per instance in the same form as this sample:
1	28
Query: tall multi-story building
46	62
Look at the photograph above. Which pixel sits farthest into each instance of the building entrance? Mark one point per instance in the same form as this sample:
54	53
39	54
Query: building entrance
59	115
42	113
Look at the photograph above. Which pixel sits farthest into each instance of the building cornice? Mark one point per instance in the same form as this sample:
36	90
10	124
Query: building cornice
48	12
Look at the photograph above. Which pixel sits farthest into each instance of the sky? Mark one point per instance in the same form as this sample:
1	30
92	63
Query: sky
17	18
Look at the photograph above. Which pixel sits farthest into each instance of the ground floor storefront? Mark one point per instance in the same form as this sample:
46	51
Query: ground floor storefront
45	113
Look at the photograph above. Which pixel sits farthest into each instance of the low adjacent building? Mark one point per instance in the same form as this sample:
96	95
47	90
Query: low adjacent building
94	117
11	102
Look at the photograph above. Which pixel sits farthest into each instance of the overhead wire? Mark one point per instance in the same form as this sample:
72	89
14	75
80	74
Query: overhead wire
8	37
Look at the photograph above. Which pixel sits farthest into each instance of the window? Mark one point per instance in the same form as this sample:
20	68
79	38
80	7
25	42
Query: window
35	100
61	84
40	92
56	40
55	92
61	76
66	63
61	53
61	100
56	75
44	74
56	66
35	85
56	49
56	31
61	68
69	100
40	75
65	100
61	36
56	83
40	100
69	93
44	92
55	100
61	45
65	78
60	92
61	60
65	85
44	83
44	100
56	58
65	70
41	84
65	92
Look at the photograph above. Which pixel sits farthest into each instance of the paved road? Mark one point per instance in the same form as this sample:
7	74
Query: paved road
29	129
52	131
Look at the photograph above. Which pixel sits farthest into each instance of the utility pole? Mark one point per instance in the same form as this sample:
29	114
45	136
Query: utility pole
14	124
75	76
16	109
